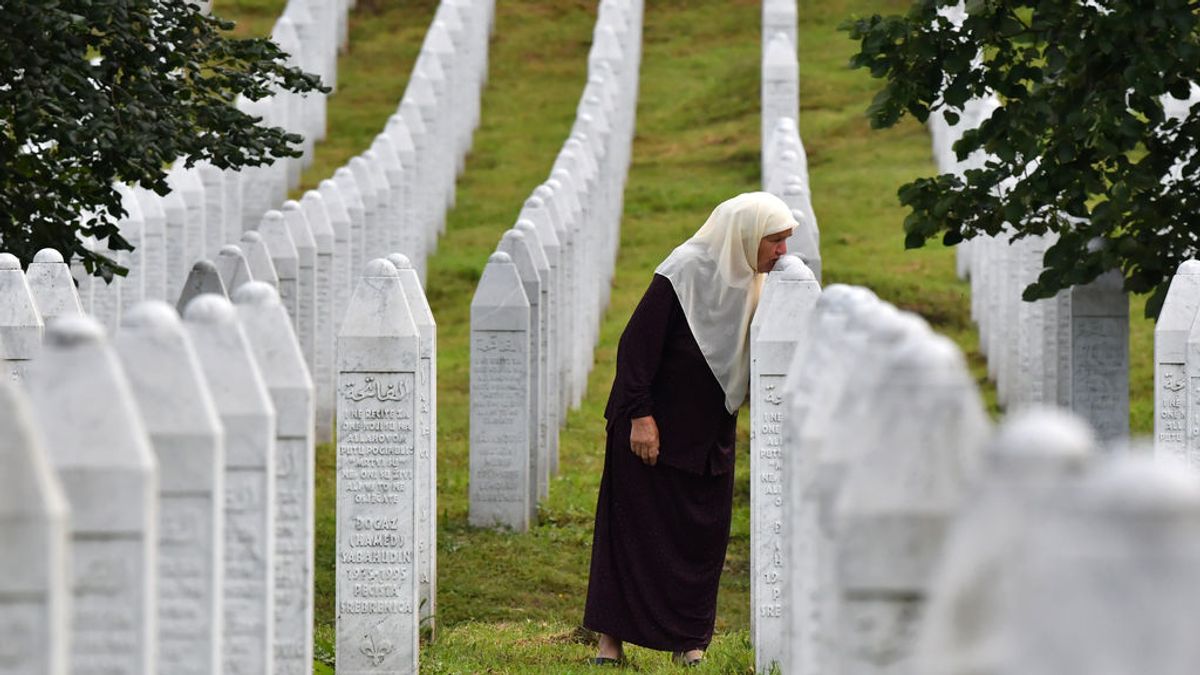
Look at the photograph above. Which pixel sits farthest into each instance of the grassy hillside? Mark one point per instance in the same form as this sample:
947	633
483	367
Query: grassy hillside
513	603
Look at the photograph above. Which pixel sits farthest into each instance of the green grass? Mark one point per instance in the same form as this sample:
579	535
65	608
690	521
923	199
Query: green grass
513	603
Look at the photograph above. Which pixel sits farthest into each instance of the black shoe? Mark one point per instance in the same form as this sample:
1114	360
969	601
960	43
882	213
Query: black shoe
605	661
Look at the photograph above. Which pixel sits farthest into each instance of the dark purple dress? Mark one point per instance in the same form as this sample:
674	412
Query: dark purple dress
661	531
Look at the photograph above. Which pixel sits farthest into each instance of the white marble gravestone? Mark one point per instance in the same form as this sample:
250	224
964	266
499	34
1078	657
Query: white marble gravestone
233	268
306	287
501	394
788	298
378	356
1171	384
51	286
281	363
133	228
372	200
546	254
426	438
1099	361
35	572
20	325
258	258
154	244
357	207
339	219
1036	453
185	242
278	237
325	313
1106	581
204	278
811	388
213	180
517	247
248	416
189	442
900	489
109	474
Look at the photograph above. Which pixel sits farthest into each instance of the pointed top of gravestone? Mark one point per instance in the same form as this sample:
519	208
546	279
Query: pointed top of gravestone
51	286
500	301
605	44
410	281
790	266
317	212
232	266
401	138
203	279
378	325
278	236
1139	485
540	261
74	331
351	191
437	39
385	151
1043	434
209	309
298	226
1189	268
258	258
780	52
411	112
9	261
420	91
46	255
164	371
20	323
276	351
517	246
94	421
339	216
536	214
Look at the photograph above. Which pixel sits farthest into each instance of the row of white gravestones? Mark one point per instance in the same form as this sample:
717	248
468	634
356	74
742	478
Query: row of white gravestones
1071	350
536	312
188	481
1065	564
783	158
849	393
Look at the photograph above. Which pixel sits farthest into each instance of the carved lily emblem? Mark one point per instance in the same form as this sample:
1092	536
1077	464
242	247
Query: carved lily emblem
377	651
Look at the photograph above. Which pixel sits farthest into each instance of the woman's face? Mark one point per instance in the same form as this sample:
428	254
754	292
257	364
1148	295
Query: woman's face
770	249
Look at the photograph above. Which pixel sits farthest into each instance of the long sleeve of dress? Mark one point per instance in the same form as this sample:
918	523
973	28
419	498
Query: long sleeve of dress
640	351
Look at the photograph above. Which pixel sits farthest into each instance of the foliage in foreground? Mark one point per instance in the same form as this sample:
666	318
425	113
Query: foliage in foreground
1083	144
97	92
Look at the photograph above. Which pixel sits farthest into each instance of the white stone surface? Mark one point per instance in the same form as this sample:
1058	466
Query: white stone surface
929	431
213	180
233	268
517	247
189	442
378	360
1035	455
131	288
204	278
278	236
306	287
258	258
1099	361
426	438
1132	520
108	471
356	206
281	362
248	416
1172	393
51	285
20	324
35	573
186	243
339	219
788	298
325	313
154	244
501	396
546	254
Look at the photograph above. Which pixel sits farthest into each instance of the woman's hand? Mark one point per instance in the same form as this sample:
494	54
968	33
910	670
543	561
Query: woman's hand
643	439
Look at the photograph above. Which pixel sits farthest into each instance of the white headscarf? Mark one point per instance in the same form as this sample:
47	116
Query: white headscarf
716	279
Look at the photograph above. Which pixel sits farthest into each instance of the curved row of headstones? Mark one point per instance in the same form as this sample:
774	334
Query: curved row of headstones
896	532
535	316
1071	350
784	160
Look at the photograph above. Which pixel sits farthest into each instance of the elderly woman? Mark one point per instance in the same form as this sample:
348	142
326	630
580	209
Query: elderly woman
683	370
